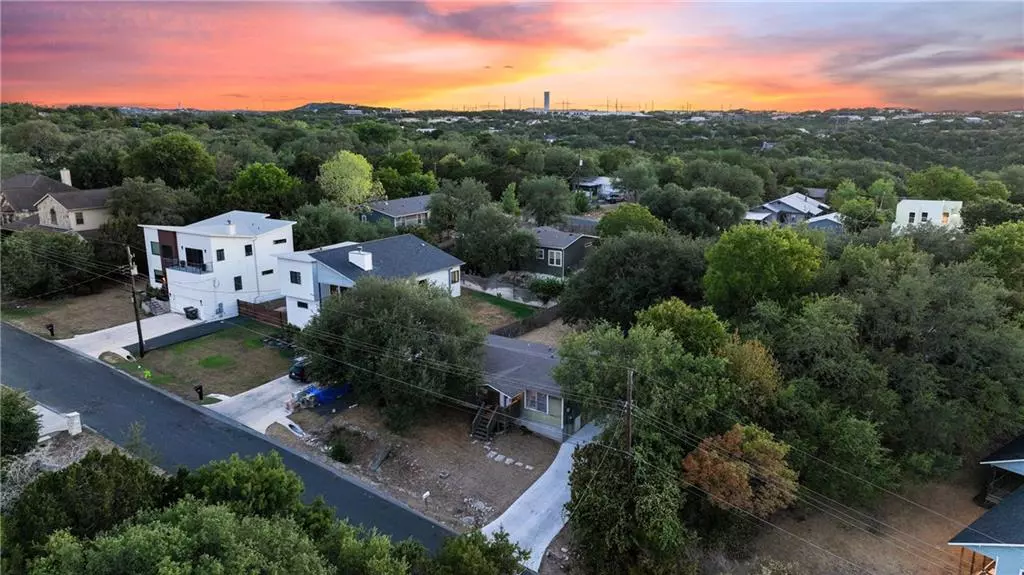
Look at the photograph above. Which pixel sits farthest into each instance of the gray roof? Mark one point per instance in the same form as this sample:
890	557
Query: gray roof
81	199
1000	525
395	257
24	190
401	206
799	202
512	366
548	237
832	217
817	193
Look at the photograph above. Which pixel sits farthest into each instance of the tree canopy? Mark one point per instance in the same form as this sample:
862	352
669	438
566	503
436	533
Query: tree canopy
347	178
177	158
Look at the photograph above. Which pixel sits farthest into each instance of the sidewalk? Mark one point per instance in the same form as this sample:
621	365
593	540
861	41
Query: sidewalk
538	515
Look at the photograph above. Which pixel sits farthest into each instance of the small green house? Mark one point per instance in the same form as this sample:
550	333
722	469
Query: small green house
559	253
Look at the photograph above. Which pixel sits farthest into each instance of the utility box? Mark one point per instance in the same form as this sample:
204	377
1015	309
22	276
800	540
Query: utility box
191	312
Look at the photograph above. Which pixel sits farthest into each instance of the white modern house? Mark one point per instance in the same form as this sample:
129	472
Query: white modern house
940	213
212	264
309	276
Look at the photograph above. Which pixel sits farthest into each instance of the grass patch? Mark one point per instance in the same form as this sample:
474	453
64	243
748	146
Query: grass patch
253	343
217	362
23	312
520	311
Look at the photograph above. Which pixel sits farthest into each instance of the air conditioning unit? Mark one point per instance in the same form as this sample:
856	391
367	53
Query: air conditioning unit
191	313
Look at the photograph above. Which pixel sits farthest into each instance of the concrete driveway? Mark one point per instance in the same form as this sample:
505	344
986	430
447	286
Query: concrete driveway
261	406
115	338
538	515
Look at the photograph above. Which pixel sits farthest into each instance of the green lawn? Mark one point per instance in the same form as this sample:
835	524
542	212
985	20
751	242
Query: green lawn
520	311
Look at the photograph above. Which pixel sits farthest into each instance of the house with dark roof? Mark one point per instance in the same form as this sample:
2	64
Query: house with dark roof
75	210
20	194
402	212
520	388
56	206
994	543
309	276
558	252
787	210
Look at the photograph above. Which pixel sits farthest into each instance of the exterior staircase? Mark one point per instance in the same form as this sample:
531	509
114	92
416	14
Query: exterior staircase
483	423
158	306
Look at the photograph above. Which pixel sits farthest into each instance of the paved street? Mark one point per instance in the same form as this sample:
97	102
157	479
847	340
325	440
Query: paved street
110	401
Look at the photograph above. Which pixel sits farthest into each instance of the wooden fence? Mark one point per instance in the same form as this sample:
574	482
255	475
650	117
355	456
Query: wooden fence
263	313
525	325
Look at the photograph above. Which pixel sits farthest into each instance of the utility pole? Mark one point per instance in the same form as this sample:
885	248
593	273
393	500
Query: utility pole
135	301
629	414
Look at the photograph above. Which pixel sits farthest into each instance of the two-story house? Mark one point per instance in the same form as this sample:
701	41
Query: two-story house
309	276
20	194
558	252
212	264
938	213
402	212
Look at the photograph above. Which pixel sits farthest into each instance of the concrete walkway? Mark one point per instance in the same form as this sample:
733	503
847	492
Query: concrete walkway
538	515
115	339
261	406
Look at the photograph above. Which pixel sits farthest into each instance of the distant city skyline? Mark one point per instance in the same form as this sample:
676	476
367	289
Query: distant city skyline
471	54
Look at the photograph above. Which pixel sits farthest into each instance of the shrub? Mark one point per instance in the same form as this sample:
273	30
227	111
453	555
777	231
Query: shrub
20	425
546	289
340	451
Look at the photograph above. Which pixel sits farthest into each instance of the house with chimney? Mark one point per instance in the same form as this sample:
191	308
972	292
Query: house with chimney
34	201
309	276
20	194
209	266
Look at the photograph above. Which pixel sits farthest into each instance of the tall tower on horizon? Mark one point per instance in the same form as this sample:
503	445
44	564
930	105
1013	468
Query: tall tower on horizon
547	102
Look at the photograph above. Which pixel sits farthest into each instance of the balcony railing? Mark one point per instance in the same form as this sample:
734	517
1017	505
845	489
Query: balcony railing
187	266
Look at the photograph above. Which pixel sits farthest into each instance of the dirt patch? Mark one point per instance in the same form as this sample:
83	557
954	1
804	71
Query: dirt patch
918	548
556	559
467	489
550	335
74	315
229	362
484	314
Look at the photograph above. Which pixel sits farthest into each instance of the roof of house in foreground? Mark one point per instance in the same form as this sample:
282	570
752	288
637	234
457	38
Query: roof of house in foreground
402	206
512	365
548	237
1003	525
246	224
393	258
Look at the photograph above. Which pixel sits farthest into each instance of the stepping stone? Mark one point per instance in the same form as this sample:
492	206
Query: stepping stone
519	464
509	461
499	458
492	454
529	468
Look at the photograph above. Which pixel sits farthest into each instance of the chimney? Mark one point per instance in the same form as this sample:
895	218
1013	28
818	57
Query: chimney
65	176
231	228
360	259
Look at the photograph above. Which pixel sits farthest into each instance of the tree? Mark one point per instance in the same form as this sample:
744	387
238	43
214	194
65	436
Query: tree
698	330
509	201
36	262
14	163
403	376
136	202
629	218
546	198
990	212
376	133
40	139
635	178
264	188
347	178
20	423
177	158
753	372
750	263
402	175
701	212
260	485
744	468
844	192
455	200
491	242
859	214
633	272
941	183
736	181
993	189
1002	248
98	164
184	538
328	223
1013	177
473	553
671	171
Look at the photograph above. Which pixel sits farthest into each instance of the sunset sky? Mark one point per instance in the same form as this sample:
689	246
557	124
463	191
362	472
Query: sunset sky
450	54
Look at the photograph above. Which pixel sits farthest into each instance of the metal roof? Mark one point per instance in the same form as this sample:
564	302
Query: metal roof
511	366
396	257
756	216
401	206
801	203
1002	525
548	237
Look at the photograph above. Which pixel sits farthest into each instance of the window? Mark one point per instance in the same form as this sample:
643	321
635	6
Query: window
555	258
166	252
79	218
220	255
154	248
911	220
537	401
248	249
53	216
158	275
266	272
281	241
924	217
238	283
454	276
302	305
295	277
540	253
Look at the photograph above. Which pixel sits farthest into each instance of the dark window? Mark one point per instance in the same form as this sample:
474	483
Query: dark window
266	272
158	275
302	305
248	249
238	283
154	248
295	277
166	251
924	217
281	241
540	253
220	255
53	216
79	218
911	220
453	276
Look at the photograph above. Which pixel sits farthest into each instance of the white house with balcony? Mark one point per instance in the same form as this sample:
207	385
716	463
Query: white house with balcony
939	213
309	276
212	264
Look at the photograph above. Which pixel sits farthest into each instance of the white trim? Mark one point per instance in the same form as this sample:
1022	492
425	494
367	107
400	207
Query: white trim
539	253
559	258
1001	461
976	544
536	396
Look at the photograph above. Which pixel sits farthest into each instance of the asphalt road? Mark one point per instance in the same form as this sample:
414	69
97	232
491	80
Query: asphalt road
110	401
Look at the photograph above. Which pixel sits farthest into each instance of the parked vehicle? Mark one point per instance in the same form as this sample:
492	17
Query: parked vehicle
299	370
